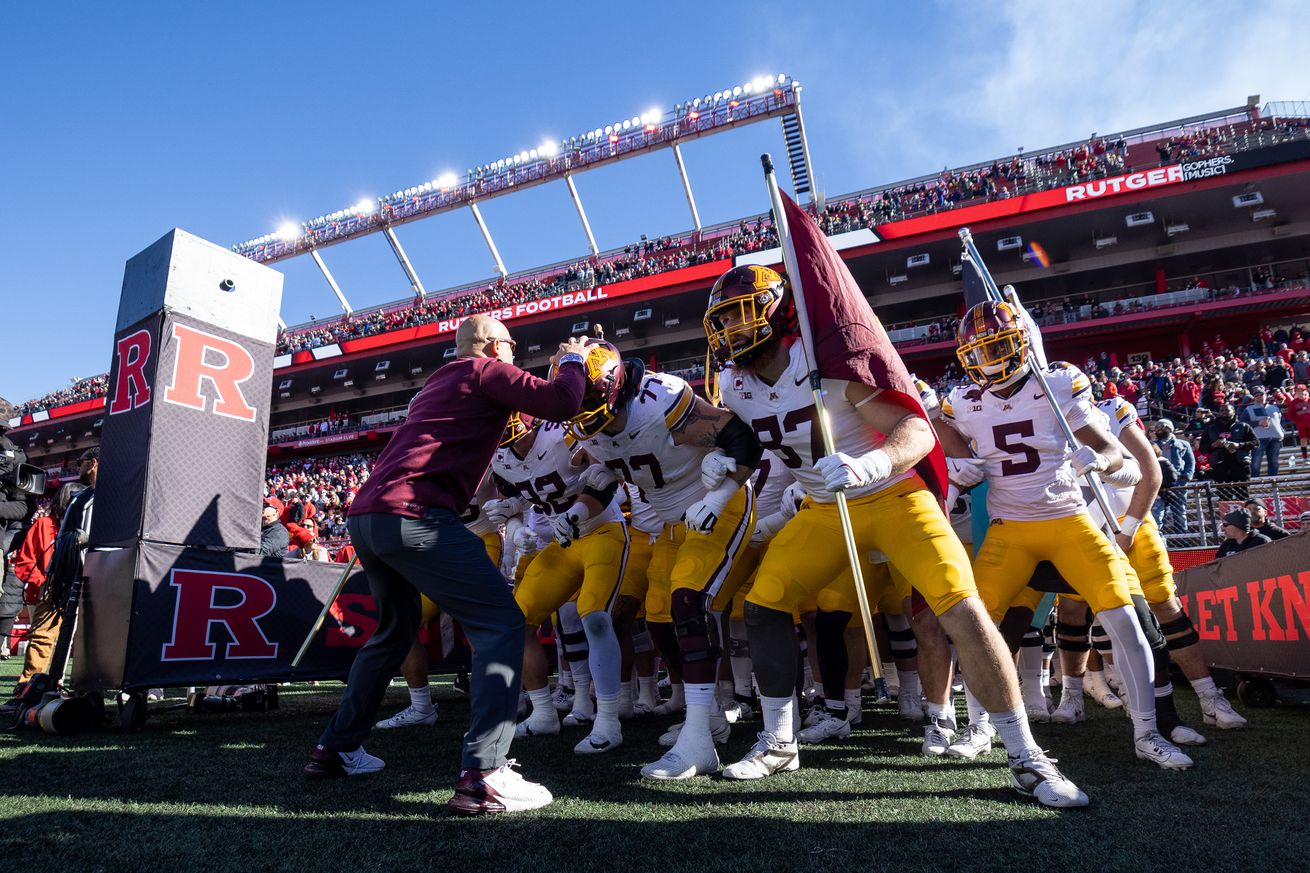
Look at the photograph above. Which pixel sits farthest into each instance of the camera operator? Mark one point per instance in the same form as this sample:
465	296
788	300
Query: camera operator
15	508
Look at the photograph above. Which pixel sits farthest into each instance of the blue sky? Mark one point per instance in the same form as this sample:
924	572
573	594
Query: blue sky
124	120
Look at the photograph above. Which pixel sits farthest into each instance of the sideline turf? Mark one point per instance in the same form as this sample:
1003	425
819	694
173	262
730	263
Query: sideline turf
224	792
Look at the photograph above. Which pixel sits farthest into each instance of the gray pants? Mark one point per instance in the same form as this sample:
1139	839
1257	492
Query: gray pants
436	556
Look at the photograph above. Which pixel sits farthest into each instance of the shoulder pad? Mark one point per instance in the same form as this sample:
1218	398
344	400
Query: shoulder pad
1061	373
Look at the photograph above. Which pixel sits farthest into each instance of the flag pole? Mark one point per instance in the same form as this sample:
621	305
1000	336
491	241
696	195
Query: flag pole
327	607
825	427
994	293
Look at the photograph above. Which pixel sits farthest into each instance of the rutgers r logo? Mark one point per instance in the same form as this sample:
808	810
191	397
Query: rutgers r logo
203	357
131	388
198	608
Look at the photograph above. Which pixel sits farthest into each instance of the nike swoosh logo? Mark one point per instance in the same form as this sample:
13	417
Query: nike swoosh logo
632	435
542	456
802	380
598	746
1038	396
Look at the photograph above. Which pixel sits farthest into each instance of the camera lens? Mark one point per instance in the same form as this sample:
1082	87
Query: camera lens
227	285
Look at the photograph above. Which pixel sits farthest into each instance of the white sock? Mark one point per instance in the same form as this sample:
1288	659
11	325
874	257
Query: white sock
854	703
1205	687
724	690
1012	726
1135	666
1164	690
808	680
648	690
543	710
1033	675
582	703
910	685
700	705
677	695
1072	685
607	711
421	699
779	715
977	713
941	710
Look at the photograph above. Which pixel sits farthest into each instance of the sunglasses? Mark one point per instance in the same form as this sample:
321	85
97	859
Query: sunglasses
512	345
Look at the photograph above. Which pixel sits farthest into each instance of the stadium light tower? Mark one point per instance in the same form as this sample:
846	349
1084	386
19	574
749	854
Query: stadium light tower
758	100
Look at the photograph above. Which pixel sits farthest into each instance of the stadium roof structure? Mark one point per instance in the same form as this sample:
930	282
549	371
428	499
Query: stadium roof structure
761	99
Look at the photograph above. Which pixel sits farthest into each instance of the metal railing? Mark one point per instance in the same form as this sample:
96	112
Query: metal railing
1192	515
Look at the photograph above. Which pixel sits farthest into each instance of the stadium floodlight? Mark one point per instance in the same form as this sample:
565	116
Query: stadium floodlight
748	88
446	180
532	154
627	125
736	92
762	82
549	149
288	231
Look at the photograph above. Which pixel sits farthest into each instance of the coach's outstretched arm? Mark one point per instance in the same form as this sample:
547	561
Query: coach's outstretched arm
556	400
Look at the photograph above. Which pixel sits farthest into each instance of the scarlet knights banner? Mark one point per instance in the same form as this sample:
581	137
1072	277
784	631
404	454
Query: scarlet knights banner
850	342
1252	609
205	617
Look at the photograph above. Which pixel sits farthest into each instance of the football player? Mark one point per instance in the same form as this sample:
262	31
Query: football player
653	430
750	323
1034	502
539	464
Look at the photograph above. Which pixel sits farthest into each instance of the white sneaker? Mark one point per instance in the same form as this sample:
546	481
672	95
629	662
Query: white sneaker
910	707
1095	687
1114	680
812	716
1155	748
766	757
409	717
601	739
684	761
720	730
501	790
1035	775
668	707
738	711
579	719
527	728
1070	711
827	727
562	698
1185	735
154	695
642	709
973	741
938	737
1216	710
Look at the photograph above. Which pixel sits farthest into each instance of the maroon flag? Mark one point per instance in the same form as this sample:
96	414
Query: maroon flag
849	340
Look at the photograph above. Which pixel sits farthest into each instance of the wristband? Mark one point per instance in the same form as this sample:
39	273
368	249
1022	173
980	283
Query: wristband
1128	527
570	358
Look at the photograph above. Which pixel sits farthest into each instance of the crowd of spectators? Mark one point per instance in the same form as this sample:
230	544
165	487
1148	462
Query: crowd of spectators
76	392
311	497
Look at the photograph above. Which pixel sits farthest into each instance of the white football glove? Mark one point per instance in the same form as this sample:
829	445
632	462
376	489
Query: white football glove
567	526
598	477
714	468
792	498
502	509
704	514
767	528
966	472
842	471
1086	459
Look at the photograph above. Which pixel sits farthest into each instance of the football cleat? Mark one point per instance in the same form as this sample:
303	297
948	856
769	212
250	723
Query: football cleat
1095	687
1184	735
684	761
600	740
1114	680
329	765
974	740
642	709
1038	710
738	710
409	717
527	728
501	790
720	730
827	727
937	737
1216	710
1155	748
562	698
1035	775
812	715
1070	711
766	757
578	719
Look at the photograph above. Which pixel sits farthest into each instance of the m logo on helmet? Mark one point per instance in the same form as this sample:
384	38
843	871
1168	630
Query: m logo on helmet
203	358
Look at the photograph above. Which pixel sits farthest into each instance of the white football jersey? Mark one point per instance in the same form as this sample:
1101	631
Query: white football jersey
771	479
477	523
644	453
547	476
782	416
643	517
1022	444
1119	414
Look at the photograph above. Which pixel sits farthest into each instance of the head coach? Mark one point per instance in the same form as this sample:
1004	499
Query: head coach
405	526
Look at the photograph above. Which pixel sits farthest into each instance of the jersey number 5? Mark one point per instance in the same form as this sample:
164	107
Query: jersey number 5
1001	434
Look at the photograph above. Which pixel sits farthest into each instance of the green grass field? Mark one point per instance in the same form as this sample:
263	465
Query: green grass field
224	792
